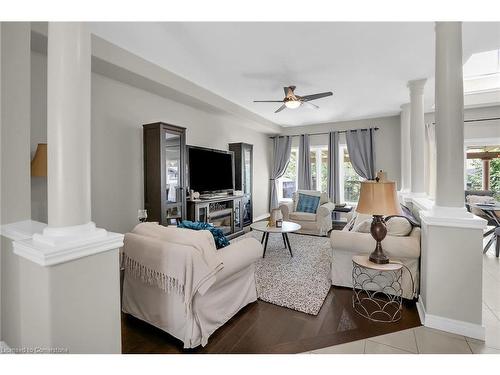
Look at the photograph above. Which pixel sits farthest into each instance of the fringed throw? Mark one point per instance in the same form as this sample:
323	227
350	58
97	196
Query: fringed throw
152	277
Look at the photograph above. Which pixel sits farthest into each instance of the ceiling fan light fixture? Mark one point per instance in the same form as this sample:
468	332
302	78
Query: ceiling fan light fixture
292	104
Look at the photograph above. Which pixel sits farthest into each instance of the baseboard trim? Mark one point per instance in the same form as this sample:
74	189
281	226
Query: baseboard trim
458	327
421	310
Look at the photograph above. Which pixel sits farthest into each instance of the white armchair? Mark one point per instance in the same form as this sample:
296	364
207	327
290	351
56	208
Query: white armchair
319	223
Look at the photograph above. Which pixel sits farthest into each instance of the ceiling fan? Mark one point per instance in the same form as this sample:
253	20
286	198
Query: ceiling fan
293	101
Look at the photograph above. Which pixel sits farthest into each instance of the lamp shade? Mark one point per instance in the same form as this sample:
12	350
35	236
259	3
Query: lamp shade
378	198
39	162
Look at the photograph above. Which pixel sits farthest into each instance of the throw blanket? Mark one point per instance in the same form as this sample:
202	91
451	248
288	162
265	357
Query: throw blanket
172	259
220	240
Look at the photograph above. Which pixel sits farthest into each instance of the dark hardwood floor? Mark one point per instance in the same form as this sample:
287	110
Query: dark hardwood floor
262	327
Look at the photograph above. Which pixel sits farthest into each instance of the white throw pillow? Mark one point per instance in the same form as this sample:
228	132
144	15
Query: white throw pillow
398	226
360	218
364	226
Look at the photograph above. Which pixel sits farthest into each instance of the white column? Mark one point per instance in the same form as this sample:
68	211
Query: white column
452	239
71	261
449	115
405	149
68	124
417	134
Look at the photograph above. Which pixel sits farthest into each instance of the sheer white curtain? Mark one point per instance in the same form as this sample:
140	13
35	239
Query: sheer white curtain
430	160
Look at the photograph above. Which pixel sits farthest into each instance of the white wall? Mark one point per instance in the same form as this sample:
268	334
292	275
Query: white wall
15	122
118	113
15	162
38	132
387	140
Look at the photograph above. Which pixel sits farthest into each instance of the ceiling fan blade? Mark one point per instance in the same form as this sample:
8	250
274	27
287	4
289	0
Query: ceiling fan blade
280	108
268	101
286	90
306	98
311	105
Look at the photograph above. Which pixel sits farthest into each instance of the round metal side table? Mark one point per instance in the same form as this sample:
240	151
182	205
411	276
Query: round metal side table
378	293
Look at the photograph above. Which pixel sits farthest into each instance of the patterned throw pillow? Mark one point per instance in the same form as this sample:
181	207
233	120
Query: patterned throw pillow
308	203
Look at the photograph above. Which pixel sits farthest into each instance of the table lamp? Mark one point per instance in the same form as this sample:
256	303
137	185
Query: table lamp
378	198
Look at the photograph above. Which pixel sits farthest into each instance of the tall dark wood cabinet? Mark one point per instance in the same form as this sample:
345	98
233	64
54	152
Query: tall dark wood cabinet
243	176
164	172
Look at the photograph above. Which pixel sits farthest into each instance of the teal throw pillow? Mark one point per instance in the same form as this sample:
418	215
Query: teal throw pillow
308	203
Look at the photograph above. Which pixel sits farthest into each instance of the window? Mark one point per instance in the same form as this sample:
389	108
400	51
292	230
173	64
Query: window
474	174
319	168
350	181
287	184
483	168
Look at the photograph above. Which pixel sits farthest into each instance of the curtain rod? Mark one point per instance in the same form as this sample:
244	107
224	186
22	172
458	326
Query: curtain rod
324	133
479	120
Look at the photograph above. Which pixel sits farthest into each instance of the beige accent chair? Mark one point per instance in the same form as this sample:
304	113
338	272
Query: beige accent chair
319	223
234	287
346	244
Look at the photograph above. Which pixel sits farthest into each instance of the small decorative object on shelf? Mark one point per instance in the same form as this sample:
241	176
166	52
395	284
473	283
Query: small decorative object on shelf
382	176
142	215
279	223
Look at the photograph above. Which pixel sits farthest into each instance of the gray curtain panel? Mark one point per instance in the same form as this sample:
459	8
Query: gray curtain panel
361	148
333	167
282	147
304	170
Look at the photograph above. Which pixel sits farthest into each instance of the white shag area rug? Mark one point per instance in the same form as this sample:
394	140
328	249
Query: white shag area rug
300	283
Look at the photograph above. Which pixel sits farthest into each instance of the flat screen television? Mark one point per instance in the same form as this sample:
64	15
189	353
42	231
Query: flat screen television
210	170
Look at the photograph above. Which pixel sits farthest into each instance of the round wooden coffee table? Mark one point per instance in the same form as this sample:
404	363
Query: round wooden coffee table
286	228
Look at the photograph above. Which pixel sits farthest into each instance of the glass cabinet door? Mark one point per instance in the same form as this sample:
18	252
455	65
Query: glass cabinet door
173	176
238	225
247	170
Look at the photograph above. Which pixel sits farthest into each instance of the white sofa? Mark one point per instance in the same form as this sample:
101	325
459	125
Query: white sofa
234	286
346	244
319	223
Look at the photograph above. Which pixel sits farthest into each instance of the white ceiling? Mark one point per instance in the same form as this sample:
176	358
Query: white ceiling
366	65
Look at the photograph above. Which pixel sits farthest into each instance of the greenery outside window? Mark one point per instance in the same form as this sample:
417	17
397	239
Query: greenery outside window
319	168
350	181
287	184
483	169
